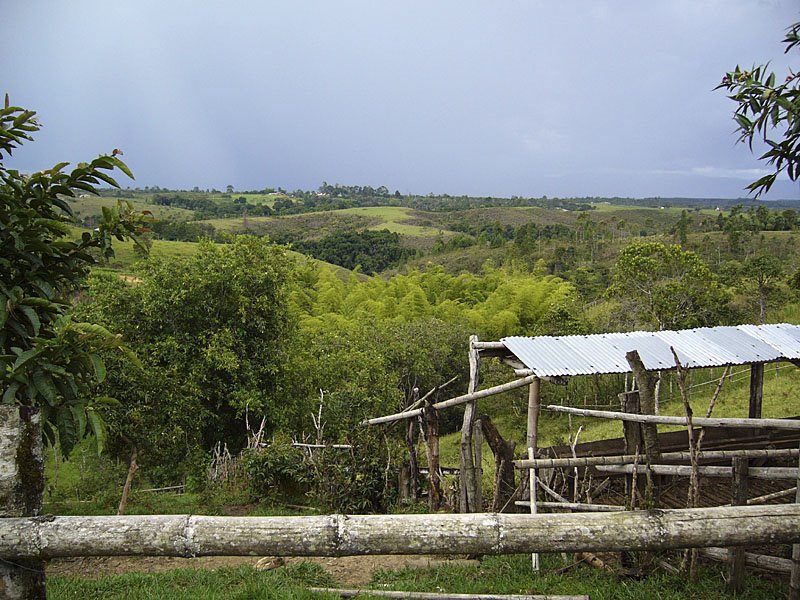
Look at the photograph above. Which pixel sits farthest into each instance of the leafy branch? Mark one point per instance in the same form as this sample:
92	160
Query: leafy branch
769	112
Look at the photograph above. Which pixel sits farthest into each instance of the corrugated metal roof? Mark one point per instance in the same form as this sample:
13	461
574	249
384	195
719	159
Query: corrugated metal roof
555	356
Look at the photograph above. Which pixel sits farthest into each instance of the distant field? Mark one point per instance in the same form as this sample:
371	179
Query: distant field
92	206
394	219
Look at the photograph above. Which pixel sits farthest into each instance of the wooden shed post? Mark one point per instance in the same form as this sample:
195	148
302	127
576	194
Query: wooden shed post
467	468
21	491
756	389
534	403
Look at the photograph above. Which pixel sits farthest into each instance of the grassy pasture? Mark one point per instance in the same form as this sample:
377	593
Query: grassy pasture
91	206
495	574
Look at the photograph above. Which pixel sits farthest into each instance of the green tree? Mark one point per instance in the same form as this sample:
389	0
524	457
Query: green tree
215	325
666	287
763	272
47	360
769	110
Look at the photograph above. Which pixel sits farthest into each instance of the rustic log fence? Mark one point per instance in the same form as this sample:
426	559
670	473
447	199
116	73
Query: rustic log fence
37	538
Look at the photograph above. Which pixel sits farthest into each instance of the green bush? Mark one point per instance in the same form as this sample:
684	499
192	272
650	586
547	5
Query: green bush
277	471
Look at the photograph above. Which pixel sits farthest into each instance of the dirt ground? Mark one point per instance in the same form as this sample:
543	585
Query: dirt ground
347	570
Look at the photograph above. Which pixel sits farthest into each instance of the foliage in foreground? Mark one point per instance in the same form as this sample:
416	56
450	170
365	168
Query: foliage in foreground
765	105
47	360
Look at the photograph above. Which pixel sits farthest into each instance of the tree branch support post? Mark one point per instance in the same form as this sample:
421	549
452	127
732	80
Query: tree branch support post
505	476
21	493
430	419
467	500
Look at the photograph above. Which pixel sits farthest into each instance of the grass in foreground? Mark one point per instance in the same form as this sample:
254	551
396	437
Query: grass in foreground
498	575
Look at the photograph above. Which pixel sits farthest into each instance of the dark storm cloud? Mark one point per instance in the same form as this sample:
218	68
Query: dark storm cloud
526	98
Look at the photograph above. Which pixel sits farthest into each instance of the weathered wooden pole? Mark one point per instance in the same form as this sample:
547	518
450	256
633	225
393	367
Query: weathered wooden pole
783	424
411	442
756	389
352	535
21	491
534	403
467	461
736	566
794	578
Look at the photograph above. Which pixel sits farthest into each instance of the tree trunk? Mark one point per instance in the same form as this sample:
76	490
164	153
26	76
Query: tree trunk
646	382
132	467
505	477
21	493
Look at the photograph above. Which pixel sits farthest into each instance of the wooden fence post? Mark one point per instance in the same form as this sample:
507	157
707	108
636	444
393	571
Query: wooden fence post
736	566
756	390
21	491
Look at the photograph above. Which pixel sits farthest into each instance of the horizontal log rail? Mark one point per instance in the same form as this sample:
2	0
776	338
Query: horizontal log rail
629	459
793	424
351	535
498	389
579	506
760	561
770	473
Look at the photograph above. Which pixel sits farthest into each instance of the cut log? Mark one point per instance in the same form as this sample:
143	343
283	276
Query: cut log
351	535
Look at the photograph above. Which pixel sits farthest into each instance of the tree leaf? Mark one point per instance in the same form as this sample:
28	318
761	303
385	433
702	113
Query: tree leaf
99	367
30	313
98	427
43	383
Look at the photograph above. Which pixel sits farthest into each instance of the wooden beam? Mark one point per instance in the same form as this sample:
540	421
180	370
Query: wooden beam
578	506
736	566
791	424
770	473
629	459
498	389
759	561
351	535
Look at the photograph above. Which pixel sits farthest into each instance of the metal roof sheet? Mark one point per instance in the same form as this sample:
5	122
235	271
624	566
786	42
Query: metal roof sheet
703	347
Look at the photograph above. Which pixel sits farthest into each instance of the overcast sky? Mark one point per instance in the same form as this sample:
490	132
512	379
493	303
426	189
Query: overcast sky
528	98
